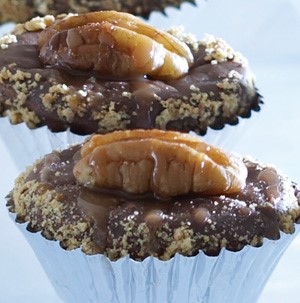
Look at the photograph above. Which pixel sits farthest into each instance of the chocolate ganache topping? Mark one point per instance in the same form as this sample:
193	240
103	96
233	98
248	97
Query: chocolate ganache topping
106	71
101	217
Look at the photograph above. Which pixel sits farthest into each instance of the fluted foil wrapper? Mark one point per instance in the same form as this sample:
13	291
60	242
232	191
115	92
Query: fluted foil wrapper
27	145
235	277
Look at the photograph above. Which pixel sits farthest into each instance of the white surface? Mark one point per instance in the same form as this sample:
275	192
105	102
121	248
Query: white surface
268	33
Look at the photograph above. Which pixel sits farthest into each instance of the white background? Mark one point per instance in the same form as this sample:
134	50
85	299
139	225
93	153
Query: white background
268	33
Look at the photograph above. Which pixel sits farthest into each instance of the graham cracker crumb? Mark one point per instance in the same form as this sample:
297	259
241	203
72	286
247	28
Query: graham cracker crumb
217	51
46	212
39	23
230	103
21	83
187	38
199	106
180	242
34	25
6	40
54	92
110	119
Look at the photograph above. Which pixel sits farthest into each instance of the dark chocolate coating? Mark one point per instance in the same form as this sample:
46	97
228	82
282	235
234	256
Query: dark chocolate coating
212	94
51	200
22	10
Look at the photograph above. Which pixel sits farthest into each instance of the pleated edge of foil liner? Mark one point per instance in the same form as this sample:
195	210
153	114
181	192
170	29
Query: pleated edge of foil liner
26	145
236	277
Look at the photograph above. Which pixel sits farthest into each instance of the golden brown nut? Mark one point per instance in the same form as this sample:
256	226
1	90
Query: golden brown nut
114	43
164	163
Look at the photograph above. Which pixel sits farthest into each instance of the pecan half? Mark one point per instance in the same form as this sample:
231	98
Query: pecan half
114	43
164	163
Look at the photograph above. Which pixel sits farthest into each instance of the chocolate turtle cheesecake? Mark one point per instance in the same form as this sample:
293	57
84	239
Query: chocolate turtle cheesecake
153	193
22	10
104	71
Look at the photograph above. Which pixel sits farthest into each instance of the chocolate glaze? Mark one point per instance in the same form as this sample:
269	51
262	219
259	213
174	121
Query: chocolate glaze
139	107
145	225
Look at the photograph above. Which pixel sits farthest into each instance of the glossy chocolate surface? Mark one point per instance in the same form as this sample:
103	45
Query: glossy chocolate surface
212	94
143	225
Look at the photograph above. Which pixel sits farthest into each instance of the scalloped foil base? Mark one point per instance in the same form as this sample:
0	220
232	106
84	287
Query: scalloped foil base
28	145
235	277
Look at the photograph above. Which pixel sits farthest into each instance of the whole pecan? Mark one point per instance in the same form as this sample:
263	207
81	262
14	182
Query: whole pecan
114	44
164	163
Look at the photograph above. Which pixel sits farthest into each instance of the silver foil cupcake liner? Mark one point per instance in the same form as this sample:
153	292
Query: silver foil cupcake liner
235	277
28	145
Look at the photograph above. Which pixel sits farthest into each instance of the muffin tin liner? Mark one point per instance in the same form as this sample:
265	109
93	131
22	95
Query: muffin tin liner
236	277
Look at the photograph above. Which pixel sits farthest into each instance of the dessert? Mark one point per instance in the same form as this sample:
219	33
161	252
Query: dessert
150	215
22	10
62	72
153	193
